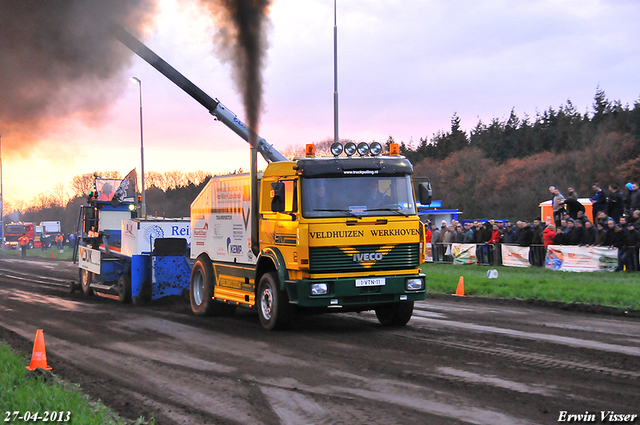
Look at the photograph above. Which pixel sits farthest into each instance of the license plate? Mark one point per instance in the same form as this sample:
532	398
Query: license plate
378	281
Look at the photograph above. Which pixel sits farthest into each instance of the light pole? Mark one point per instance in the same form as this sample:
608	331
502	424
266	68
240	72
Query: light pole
143	209
1	198
335	71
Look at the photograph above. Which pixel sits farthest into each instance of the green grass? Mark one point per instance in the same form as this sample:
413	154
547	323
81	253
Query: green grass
37	252
619	290
22	391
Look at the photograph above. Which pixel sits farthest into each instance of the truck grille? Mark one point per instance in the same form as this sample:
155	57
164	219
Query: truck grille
341	259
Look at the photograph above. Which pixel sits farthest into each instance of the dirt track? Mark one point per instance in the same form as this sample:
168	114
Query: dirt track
459	360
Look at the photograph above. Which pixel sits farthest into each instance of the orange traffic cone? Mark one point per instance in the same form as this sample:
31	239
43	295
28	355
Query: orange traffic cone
460	290
39	356
52	256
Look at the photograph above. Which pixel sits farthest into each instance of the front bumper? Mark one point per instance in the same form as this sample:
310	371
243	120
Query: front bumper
343	292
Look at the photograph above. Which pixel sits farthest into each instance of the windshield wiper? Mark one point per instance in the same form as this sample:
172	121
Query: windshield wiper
396	210
338	210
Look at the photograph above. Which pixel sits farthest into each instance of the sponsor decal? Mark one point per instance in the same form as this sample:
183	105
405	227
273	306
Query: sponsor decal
361	172
90	256
395	232
153	232
233	249
128	228
201	231
238	232
180	230
337	234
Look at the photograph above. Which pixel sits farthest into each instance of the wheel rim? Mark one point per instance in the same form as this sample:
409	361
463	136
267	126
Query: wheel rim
198	288
266	303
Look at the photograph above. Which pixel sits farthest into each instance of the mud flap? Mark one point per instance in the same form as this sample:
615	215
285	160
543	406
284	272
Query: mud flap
140	276
170	275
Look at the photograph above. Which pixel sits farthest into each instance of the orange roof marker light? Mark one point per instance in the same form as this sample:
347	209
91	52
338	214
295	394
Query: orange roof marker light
394	149
310	150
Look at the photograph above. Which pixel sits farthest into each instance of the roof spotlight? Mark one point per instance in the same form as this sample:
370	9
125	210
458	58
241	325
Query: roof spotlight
350	148
363	148
336	148
375	148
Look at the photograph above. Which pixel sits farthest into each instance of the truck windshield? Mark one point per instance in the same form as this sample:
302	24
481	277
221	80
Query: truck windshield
15	228
357	196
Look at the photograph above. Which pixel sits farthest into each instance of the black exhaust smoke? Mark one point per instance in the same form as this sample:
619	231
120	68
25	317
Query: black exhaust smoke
59	59
242	40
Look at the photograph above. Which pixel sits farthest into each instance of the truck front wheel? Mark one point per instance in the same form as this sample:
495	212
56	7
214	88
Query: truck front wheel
85	280
273	304
201	288
396	314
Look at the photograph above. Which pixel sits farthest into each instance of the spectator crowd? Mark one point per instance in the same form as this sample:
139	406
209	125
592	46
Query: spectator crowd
615	223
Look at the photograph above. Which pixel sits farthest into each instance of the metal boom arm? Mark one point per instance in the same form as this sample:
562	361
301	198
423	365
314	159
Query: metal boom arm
215	108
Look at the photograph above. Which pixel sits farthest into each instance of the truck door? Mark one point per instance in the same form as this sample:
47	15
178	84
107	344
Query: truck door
280	220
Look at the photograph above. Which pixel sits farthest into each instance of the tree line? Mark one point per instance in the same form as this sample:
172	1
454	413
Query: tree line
502	169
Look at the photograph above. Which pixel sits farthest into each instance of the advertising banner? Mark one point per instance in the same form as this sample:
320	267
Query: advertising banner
581	259
139	236
515	256
89	259
427	253
464	253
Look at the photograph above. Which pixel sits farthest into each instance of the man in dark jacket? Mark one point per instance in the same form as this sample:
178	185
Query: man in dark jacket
633	242
615	203
589	234
572	206
578	232
599	201
524	234
537	243
620	241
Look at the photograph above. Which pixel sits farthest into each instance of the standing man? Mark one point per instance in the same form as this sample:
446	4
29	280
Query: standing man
60	241
615	203
599	201
556	205
24	241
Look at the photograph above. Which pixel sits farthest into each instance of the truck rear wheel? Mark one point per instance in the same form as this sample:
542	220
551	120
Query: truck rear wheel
273	304
85	278
201	288
124	288
396	314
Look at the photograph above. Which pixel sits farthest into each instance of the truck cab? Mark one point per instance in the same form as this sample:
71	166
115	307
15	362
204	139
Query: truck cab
334	234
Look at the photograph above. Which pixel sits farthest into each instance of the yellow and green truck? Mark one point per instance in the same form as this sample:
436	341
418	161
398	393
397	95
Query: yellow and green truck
312	234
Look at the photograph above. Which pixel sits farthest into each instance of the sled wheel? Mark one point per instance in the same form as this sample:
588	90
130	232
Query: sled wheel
124	288
85	281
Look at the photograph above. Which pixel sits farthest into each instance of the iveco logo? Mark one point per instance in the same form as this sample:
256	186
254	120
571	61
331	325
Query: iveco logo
374	256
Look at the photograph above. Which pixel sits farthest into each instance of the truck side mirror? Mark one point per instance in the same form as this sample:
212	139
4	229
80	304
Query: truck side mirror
425	193
277	197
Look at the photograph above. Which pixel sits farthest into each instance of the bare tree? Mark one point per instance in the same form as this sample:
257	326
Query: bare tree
59	195
174	179
82	184
155	179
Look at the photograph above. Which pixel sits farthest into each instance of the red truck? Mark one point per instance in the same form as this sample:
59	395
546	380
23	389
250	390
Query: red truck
13	231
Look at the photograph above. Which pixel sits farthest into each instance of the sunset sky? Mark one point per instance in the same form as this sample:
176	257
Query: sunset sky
405	67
